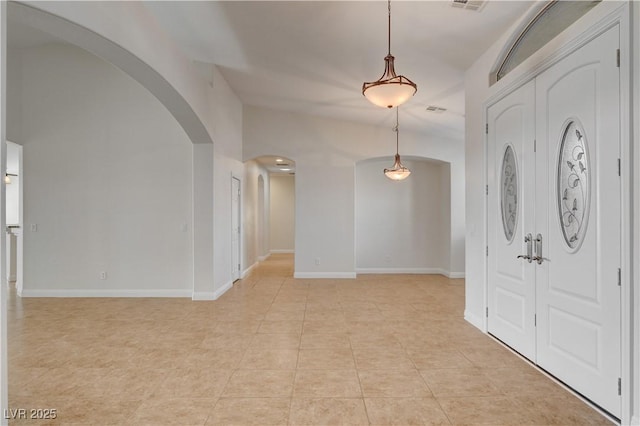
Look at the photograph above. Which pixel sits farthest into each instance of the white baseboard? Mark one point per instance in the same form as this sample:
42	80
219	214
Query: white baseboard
428	271
455	275
335	275
36	292
203	295
248	270
211	295
222	290
474	320
263	258
284	251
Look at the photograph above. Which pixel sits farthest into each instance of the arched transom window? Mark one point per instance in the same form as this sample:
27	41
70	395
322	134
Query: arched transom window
550	21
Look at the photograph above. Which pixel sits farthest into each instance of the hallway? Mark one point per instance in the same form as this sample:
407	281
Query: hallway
381	349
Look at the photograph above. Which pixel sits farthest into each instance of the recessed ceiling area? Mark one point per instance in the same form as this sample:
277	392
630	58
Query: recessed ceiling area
277	165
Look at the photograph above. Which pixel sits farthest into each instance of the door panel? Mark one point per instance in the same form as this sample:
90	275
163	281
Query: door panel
574	337
578	217
511	195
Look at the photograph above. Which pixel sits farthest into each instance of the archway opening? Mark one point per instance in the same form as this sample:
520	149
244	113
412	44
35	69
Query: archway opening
403	226
275	207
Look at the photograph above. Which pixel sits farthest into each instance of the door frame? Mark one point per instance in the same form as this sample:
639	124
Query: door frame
595	23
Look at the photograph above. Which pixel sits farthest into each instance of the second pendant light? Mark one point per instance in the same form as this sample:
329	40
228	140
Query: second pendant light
397	171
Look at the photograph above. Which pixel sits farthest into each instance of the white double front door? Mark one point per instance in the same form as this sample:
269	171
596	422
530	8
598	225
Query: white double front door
554	220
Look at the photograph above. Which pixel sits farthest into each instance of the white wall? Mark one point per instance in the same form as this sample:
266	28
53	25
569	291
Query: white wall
14	114
226	112
325	152
204	105
128	35
476	91
107	176
202	225
282	213
446	214
263	207
255	227
402	227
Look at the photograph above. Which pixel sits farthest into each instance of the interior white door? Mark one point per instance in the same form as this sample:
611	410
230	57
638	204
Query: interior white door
235	228
578	219
511	167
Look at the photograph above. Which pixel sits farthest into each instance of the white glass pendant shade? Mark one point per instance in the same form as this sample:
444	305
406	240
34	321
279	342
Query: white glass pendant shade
7	179
398	171
390	90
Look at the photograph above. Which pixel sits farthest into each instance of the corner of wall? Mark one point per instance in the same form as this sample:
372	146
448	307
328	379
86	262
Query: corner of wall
211	295
474	320
222	290
248	270
203	295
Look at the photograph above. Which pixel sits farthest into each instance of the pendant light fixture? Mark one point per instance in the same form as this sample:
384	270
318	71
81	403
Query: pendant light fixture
397	171
390	90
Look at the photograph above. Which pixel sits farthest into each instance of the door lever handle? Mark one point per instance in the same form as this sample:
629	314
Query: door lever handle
538	257
528	257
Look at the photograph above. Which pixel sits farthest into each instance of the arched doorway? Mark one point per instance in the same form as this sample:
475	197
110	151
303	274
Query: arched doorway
275	214
403	226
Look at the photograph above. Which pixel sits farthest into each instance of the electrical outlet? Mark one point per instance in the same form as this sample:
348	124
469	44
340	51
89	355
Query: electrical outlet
34	227
317	261
103	275
387	259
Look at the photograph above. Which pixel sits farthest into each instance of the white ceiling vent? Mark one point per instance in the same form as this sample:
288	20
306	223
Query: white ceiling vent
436	109
474	5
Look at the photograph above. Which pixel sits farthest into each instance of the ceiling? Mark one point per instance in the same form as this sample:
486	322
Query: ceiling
312	57
277	165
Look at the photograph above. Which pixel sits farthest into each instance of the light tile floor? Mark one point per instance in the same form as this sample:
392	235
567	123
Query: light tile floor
381	350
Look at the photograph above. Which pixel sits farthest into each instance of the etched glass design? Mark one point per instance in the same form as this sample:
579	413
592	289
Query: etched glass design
573	184
509	193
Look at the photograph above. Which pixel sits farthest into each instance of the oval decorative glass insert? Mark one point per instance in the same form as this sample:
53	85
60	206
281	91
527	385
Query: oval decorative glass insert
509	192
573	184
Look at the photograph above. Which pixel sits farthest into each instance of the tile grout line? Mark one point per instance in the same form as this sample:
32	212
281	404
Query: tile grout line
353	355
295	373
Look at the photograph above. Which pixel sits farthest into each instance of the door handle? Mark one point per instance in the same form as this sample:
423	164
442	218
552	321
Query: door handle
527	239
538	257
